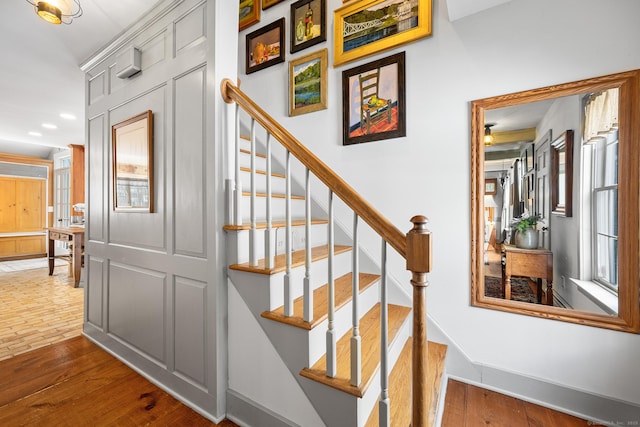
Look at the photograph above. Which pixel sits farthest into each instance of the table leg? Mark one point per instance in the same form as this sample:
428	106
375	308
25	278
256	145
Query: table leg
76	260
52	254
539	290
549	293
507	288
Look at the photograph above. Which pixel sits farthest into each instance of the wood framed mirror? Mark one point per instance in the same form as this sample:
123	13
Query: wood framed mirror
586	267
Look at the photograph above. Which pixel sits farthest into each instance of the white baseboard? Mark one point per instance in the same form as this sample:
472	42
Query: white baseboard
245	412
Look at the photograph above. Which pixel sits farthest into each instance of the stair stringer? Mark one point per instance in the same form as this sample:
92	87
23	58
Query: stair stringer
269	384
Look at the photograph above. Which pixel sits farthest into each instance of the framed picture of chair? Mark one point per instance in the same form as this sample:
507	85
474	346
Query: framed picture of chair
373	101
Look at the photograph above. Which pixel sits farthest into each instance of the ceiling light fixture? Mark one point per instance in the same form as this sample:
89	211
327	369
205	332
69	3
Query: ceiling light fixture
49	126
57	11
67	116
488	138
35	134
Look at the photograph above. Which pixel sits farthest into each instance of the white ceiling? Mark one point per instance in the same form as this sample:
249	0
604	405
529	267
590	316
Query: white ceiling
40	75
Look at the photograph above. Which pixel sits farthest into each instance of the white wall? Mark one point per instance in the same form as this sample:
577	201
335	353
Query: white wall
515	46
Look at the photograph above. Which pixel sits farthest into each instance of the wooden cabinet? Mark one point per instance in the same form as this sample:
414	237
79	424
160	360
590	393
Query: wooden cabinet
22	216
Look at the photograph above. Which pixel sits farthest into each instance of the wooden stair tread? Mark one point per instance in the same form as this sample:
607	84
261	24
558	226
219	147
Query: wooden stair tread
273	195
297	259
274	224
320	301
370	345
242	150
400	386
261	172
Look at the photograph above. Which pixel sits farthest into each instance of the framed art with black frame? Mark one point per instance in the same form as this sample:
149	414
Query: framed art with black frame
373	101
264	46
308	25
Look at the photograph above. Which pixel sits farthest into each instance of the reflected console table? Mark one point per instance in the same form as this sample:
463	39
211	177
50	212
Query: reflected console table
75	236
536	263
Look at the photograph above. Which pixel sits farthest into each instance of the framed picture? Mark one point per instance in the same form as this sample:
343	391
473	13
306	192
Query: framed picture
266	4
264	46
249	13
308	83
308	24
132	144
365	27
490	186
373	98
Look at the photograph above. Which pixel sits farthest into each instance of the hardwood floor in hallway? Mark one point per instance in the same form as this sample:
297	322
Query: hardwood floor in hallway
470	406
76	383
38	309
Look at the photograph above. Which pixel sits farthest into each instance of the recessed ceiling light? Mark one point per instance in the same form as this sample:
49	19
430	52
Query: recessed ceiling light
35	134
67	116
49	126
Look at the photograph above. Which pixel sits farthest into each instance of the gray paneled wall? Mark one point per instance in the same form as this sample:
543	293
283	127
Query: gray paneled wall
151	276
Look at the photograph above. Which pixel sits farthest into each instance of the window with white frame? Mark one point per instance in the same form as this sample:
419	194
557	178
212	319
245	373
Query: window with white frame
600	145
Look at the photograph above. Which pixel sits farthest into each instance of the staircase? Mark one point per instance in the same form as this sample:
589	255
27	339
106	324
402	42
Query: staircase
351	338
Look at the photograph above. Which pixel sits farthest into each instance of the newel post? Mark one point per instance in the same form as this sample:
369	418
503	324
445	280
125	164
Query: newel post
419	263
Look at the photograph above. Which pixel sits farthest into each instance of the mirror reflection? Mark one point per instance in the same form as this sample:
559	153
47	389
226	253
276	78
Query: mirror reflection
551	191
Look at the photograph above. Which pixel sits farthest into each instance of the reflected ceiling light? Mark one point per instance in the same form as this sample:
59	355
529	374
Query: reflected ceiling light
488	138
35	134
49	126
67	116
57	11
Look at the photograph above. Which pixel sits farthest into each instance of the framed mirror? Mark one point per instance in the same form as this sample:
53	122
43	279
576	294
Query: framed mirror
132	144
562	174
581	265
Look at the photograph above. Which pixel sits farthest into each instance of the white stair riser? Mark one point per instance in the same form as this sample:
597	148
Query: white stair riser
319	273
241	241
278	184
343	322
277	208
261	162
370	399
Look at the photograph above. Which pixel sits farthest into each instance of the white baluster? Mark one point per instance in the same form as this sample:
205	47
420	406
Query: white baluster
238	193
268	233
288	294
331	333
383	408
356	358
253	247
308	291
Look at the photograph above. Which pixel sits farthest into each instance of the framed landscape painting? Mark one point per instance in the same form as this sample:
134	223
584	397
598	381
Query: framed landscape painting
249	13
373	101
308	83
265	46
365	27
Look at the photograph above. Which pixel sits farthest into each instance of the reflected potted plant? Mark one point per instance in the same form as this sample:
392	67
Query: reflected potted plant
526	229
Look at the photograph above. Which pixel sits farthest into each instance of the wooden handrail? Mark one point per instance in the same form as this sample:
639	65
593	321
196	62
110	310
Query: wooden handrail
380	224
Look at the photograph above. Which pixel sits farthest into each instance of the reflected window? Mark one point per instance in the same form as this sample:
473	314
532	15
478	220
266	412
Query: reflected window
601	147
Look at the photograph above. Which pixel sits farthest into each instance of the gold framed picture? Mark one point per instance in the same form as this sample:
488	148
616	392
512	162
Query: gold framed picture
132	150
249	13
308	83
266	4
366	27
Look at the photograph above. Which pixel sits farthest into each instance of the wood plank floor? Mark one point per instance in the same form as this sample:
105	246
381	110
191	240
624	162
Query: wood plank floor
76	383
38	309
470	406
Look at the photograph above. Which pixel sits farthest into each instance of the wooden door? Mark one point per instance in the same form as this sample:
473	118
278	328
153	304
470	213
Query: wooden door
30	197
542	188
7	205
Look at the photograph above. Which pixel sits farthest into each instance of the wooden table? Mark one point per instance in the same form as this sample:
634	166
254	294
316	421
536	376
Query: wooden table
537	263
75	236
